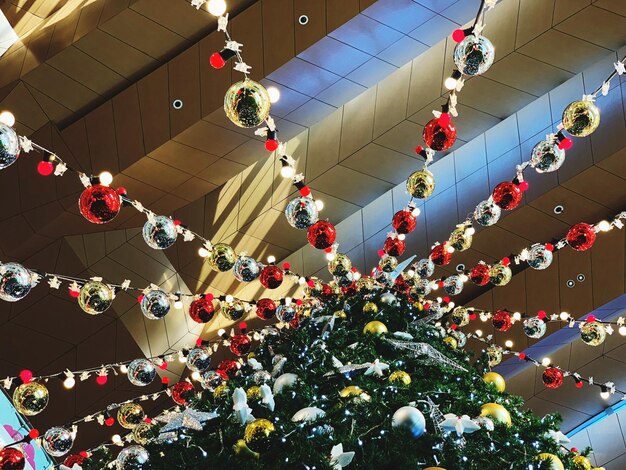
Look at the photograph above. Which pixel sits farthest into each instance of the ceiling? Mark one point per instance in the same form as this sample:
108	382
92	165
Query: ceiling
357	84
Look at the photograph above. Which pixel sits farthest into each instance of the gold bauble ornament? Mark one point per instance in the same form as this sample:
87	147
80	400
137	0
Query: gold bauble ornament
581	118
222	257
388	263
375	328
553	460
450	341
494	355
460	238
496	412
31	398
353	391
495	379
460	316
593	333
130	415
500	275
313	287
583	462
434	468
221	391
340	265
341	314
141	433
95	297
370	308
259	435
253	393
234	310
247	103
420	184
399	377
367	284
240	447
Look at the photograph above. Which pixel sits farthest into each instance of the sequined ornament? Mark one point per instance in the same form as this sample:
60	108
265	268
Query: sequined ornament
581	236
367	284
240	345
453	285
57	441
9	146
547	157
404	221
593	333
487	213
201	310
494	355
340	265
495	379
383	278
141	372
30	399
437	136
246	269
265	309
581	118
440	255
437	309
388	263
227	369
450	341
420	184
389	299
12	459
474	55
539	257
247	103
479	274
460	316
199	359
496	412
534	327
370	308
222	257
132	458
210	380
550	461
461	338
99	204
425	267
399	377
130	415
221	392
375	328
321	235
410	418
15	282
260	435
582	462
95	297
421	288
159	233
155	304
301	212
286	313
271	277
502	320
394	246
253	393
142	433
500	275
460	238
507	195
552	377
182	393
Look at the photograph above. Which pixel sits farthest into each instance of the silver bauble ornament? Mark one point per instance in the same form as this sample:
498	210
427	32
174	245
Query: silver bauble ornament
461	338
141	372
487	213
453	285
9	146
286	313
425	267
57	441
301	212
534	327
261	377
160	232
132	458
199	359
539	257
410	418
547	157
95	297
421	288
474	55
460	316
494	355
155	304
344	280
210	380
437	309
389	299
246	269
15	282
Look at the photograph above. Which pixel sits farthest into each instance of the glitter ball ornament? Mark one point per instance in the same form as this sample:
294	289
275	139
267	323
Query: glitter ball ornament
494	355
370	308
461	338
155	304
9	146
301	212
141	433
240	345
388	299
460	238
227	369
453	285
286	313
321	235
507	195
141	372
460	316
581	236
421	288
15	282
534	327
500	275
95	297
440	255
247	103
265	309
234	310
487	213
409	417
495	379
30	399
388	263
253	393
132	458
202	310
502	320
547	157
552	377
222	257
474	55
479	274
199	359
496	412
404	221
12	459
437	136
99	204
259	435
159	233
340	265
581	118
550	461
425	267
182	393
375	328
394	246
57	441
437	309
420	184
582	462
539	257
246	269
130	415
271	276
210	380
593	333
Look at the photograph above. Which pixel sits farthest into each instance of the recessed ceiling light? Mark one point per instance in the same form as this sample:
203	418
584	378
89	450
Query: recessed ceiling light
580	277
303	20
559	209
460	268
570	283
177	104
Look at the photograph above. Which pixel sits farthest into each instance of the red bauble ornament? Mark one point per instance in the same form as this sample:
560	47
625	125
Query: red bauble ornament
227	369
581	236
240	345
507	195
404	222
99	204
394	246
321	234
349	290
265	309
201	310
552	377
295	322
439	137
74	459
480	274
216	60
182	392
440	255
502	320
271	277
11	459
45	168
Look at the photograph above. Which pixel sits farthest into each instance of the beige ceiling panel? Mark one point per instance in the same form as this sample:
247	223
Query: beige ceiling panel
272	226
31	113
278	33
383	163
63	35
139	189
335	209
401	138
315	29
89	19
607	262
184	85
610	35
610	5
535	17
541	287
210	138
165	205
358	123
213	82
128	132
495	242
563	9
101	138
472	122
371	247
350	185
350	232
221	211
193	189
337	13
512	296
377	214
179	17
533	224
247	28
11	64
390	92
112	8
501	26
248	153
323	145
154	104
600	186
616	164
156	174
221	171
426	78
257	182
183	157
503	99
577	300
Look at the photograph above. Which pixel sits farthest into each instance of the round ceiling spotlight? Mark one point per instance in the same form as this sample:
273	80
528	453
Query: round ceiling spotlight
177	104
570	283
460	268
303	20
580	277
559	209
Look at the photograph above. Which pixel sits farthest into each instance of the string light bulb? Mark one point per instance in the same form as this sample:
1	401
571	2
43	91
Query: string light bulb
217	7
69	382
604	226
508	343
178	303
203	252
622	330
116	439
106	178
271	259
479	333
195	375
604	393
546	361
451	82
564	316
7	118
319	204
274	93
123	369
287	171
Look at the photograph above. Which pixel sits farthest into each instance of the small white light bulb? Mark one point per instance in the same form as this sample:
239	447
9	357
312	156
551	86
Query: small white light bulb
464	278
178	304
470	231
508	343
274	94
229	299
517	316
271	259
622	330
69	382
330	256
564	316
604	394
604	226
546	361
302	281
319	204
357	276
416	212
123	369
401	236
287	171
203	252
217	7
450	83
479	333
7	118
116	439
106	178
450	249
195	375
